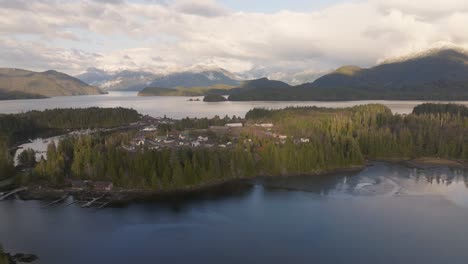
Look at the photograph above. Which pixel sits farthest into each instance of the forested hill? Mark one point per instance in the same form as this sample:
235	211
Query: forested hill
23	84
22	126
435	75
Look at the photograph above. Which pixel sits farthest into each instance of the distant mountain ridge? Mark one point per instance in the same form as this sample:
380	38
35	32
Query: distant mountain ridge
24	84
196	78
443	65
436	75
125	80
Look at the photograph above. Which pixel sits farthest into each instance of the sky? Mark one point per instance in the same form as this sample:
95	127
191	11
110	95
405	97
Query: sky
264	37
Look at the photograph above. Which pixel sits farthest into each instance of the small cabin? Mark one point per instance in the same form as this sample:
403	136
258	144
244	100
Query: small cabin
103	186
202	139
219	128
234	125
184	135
150	129
265	125
160	138
79	185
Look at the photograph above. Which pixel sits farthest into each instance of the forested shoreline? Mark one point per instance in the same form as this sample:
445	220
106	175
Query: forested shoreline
304	140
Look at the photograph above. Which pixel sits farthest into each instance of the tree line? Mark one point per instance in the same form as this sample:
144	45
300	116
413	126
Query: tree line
15	128
336	138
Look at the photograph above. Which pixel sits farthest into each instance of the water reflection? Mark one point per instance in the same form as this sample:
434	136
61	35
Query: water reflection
382	180
386	213
376	180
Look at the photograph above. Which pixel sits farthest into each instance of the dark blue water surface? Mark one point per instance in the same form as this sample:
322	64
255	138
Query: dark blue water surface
386	213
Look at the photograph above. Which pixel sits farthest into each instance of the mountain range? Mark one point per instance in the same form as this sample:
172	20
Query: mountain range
434	75
196	77
23	84
125	80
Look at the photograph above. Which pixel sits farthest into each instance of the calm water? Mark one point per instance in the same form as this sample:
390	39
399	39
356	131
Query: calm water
384	214
177	107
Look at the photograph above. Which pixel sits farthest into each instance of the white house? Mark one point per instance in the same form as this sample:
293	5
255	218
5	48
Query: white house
202	139
265	125
150	129
305	140
235	125
282	137
195	144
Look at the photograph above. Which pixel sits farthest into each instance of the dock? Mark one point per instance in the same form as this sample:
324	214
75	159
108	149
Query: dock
15	191
63	198
93	201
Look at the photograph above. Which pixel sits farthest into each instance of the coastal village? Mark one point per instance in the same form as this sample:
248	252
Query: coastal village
159	133
150	135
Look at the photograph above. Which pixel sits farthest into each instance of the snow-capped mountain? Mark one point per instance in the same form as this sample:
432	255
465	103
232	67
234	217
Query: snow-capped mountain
291	77
125	80
197	77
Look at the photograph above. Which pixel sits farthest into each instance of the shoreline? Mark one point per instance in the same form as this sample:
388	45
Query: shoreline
428	162
127	196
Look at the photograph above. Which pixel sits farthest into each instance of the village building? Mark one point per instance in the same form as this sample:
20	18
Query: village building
128	148
265	125
150	129
184	135
219	128
78	185
202	139
103	186
160	138
234	125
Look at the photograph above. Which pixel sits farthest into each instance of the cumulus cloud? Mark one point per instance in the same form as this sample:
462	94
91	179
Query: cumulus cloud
170	35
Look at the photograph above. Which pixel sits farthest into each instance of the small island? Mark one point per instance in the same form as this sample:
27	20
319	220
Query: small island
214	98
112	156
6	258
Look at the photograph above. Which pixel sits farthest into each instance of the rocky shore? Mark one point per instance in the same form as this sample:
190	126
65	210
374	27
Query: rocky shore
7	258
120	197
